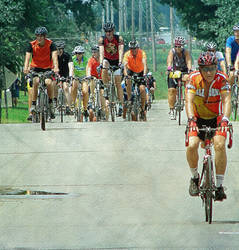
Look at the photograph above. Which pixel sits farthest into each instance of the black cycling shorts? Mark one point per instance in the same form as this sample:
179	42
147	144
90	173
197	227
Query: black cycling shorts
209	123
140	74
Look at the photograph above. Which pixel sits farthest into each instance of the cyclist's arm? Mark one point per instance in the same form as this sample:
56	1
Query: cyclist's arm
125	68
71	67
154	83
226	102
170	58
188	60
121	49
228	56
189	104
55	61
101	49
223	66
26	64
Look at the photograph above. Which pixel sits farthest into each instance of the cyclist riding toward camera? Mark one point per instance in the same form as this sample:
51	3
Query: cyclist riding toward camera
91	71
65	71
221	66
44	58
206	89
232	48
79	70
135	63
111	54
151	83
179	59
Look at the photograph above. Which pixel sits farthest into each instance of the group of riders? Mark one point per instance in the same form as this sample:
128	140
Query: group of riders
44	55
207	90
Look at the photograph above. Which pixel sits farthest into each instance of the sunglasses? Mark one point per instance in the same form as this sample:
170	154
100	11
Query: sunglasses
108	31
179	47
208	69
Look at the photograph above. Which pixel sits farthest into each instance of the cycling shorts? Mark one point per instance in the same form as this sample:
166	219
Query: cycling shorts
140	74
38	70
213	123
114	63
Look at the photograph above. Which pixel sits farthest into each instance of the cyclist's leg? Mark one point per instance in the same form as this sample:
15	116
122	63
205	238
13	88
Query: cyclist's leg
35	88
85	93
143	96
67	93
105	75
74	90
171	95
92	88
129	85
231	77
55	91
50	92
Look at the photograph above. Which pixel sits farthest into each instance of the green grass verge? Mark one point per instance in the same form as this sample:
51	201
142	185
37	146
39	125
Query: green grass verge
18	114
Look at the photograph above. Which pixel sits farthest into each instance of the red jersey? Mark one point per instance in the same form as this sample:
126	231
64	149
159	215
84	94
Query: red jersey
41	56
93	64
111	48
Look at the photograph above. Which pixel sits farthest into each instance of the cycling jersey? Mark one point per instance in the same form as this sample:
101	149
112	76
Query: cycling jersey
207	107
231	43
179	62
63	61
150	82
111	48
41	56
93	64
79	68
135	63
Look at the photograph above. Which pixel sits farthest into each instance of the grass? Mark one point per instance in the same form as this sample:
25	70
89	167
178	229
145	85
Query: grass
18	114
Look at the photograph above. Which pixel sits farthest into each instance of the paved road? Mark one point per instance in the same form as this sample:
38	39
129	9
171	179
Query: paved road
127	186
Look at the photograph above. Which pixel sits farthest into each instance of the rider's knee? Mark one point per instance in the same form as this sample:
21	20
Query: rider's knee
193	143
219	146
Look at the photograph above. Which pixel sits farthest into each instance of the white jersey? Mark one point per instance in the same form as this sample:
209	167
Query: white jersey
220	58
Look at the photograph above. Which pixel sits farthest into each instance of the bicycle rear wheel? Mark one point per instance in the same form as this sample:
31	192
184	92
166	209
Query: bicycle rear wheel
112	103
61	99
179	101
209	192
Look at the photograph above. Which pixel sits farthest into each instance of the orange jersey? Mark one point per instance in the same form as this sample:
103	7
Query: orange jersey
135	63
41	56
93	64
207	106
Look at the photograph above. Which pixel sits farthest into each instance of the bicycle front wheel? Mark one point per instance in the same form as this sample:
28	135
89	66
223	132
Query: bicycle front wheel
42	111
209	192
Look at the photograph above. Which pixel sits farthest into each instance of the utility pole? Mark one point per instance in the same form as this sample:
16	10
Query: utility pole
107	11
132	19
171	25
147	19
140	20
112	11
120	16
152	35
125	15
103	19
189	41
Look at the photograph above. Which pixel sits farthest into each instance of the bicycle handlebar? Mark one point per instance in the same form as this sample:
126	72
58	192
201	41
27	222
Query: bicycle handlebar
208	130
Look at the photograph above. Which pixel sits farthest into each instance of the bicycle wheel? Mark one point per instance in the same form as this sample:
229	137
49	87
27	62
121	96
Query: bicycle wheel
61	100
42	111
112	102
234	102
209	191
179	104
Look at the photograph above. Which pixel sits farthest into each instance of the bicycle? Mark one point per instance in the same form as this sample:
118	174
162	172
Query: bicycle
206	184
179	104
42	112
234	98
111	93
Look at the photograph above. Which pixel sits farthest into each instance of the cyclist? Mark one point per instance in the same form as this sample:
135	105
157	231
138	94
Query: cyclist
178	59
92	65
135	62
65	70
221	66
111	54
151	83
44	58
79	70
232	48
206	88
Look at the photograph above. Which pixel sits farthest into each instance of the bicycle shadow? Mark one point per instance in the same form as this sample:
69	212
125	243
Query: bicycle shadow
226	222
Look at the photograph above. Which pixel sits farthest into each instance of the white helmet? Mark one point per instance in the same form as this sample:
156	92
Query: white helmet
149	74
78	49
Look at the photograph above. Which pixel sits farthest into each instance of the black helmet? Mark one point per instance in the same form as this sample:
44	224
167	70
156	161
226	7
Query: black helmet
133	44
41	31
60	44
95	48
108	26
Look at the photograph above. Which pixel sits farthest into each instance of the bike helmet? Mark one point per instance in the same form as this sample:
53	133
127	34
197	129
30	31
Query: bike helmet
207	59
179	41
95	48
108	26
133	44
41	31
236	27
60	44
78	49
149	74
211	46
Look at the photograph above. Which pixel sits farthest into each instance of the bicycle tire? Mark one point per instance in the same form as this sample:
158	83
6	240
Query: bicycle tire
209	192
61	105
42	111
112	102
179	105
234	103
